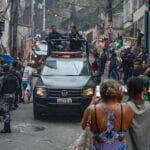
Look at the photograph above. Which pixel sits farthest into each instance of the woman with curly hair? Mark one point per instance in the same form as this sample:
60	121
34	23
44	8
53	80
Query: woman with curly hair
110	119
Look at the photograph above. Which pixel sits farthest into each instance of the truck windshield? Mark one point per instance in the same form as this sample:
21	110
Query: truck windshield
66	68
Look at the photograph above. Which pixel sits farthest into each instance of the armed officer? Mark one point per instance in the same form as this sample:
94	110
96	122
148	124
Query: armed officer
75	39
9	87
53	39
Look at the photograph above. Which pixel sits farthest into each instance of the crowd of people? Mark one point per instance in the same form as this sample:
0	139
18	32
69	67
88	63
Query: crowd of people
120	66
114	124
118	119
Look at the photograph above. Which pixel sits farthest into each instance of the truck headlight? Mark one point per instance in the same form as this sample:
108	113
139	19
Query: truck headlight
35	56
88	92
33	62
41	91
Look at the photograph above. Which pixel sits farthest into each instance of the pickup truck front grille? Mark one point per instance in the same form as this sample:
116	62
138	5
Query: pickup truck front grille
64	92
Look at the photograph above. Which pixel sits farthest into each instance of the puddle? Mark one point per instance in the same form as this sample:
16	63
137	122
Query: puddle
38	129
28	128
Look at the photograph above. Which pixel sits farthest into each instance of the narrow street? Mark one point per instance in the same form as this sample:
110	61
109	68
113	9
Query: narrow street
44	134
74	74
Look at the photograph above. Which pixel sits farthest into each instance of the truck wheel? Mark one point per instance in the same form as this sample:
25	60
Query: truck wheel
36	115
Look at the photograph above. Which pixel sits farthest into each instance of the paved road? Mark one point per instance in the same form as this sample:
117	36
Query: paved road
45	134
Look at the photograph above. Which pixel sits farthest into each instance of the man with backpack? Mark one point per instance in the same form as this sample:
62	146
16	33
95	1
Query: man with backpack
9	87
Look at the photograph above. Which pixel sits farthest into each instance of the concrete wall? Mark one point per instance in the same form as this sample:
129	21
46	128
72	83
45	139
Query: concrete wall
133	14
118	23
127	13
5	36
24	40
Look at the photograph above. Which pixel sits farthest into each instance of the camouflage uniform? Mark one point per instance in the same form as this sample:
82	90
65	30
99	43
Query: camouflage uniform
9	88
5	102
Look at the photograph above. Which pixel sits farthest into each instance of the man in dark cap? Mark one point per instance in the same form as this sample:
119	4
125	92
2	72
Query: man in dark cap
9	87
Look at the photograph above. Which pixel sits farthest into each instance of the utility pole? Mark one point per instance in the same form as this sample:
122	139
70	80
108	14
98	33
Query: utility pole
110	16
147	32
32	16
13	27
44	19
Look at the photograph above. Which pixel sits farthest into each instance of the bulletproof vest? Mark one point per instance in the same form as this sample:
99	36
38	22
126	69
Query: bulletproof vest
10	84
54	35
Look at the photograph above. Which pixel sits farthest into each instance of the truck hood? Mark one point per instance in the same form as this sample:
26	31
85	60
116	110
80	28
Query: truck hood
44	53
65	81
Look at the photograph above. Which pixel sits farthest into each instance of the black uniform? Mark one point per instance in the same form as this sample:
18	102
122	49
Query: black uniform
128	65
103	61
75	41
52	45
18	97
97	69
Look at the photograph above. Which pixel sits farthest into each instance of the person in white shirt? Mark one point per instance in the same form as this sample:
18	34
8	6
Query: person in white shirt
27	81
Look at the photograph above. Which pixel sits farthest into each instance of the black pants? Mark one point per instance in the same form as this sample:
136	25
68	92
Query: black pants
127	75
103	67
